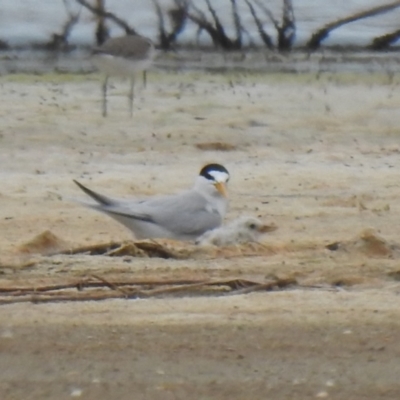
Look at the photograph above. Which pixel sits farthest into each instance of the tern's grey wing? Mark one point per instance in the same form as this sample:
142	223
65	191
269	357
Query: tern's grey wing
185	214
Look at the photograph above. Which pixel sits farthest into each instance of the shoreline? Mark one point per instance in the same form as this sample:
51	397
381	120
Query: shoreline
208	59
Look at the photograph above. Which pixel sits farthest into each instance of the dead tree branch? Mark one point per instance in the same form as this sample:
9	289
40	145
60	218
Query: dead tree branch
287	28
215	29
223	38
316	39
385	41
108	15
269	14
60	40
264	35
238	25
177	16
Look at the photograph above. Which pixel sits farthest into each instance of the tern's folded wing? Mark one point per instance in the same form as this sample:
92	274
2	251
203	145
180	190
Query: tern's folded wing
185	214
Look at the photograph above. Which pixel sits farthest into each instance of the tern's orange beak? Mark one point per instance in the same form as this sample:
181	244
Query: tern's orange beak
221	187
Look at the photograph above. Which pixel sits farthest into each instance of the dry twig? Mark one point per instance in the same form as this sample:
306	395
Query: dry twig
134	289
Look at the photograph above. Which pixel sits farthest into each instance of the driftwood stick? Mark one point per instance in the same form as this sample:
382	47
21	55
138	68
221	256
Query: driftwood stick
175	289
45	288
280	283
111	285
65	297
46	294
91	284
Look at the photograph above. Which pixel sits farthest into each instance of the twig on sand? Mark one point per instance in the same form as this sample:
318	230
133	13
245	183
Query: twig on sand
278	283
135	289
111	285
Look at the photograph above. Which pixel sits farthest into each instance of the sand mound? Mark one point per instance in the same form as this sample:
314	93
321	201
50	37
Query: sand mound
369	243
44	243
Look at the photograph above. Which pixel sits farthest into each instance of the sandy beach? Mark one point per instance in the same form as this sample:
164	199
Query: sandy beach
316	154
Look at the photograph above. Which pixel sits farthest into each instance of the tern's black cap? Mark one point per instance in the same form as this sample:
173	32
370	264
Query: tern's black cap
205	171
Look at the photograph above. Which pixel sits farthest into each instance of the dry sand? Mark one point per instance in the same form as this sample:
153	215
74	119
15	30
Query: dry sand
317	155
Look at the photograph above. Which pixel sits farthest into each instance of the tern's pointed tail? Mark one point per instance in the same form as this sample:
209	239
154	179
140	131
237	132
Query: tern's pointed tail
103	200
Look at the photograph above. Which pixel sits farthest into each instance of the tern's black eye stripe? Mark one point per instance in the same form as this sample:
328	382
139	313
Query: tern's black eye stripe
205	171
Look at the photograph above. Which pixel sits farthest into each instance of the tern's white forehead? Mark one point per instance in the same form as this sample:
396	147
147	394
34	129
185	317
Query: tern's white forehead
219	176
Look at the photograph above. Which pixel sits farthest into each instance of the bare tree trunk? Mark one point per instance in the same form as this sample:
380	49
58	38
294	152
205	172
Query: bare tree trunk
287	30
102	32
162	35
324	32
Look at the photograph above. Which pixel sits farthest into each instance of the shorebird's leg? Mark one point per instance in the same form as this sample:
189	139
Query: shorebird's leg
104	90
131	93
144	79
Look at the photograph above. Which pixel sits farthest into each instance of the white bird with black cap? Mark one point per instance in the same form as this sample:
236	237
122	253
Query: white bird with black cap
183	216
